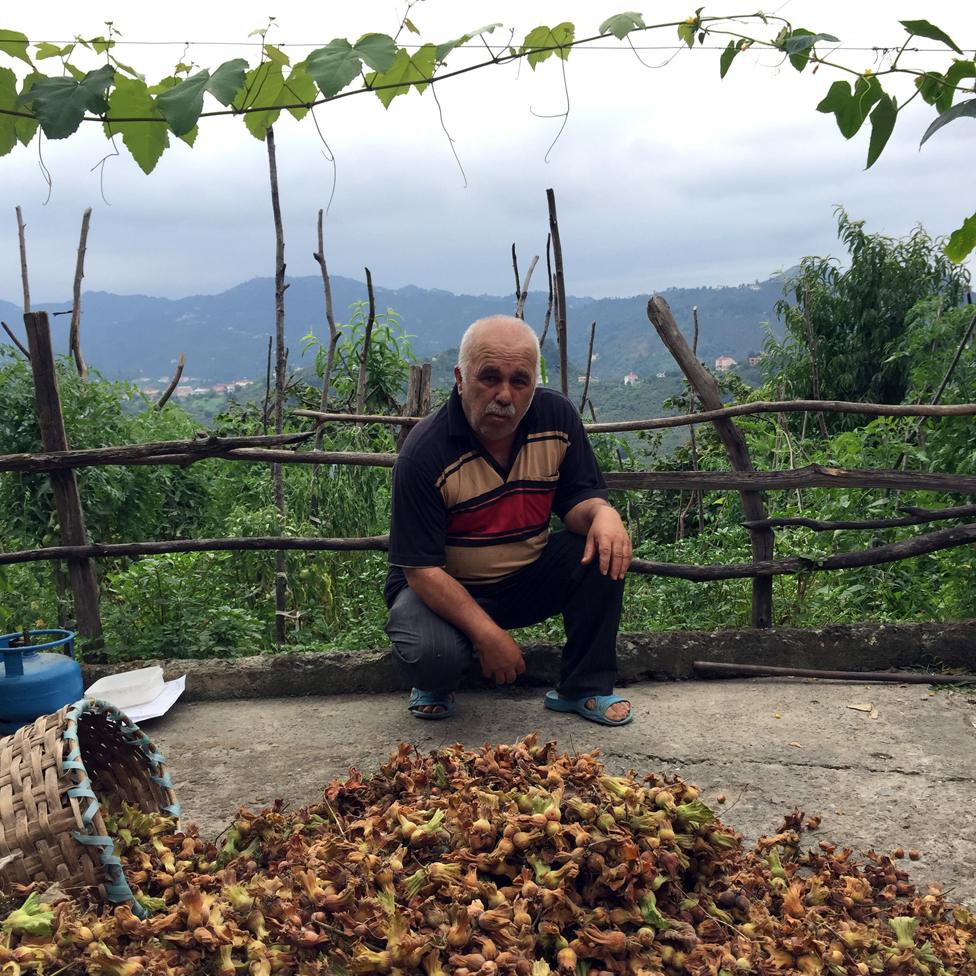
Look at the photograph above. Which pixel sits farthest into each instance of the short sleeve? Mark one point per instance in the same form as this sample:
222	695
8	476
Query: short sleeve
580	477
418	523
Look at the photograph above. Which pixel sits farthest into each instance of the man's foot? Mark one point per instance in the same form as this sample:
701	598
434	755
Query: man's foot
603	709
617	712
431	704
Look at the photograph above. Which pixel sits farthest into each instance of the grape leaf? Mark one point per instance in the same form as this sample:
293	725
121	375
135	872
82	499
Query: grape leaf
8	100
227	80
543	42
298	87
26	128
60	103
147	141
620	25
406	71
443	50
15	44
262	87
376	50
275	54
182	104
332	67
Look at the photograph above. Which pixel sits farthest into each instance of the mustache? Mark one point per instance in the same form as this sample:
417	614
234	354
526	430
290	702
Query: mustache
499	410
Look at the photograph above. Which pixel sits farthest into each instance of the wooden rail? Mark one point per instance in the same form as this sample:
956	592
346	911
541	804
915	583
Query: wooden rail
282	448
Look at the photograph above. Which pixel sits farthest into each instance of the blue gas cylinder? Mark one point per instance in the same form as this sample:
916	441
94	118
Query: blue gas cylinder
33	683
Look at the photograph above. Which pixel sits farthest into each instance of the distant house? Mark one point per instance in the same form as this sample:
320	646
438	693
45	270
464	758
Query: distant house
631	379
755	360
724	363
660	376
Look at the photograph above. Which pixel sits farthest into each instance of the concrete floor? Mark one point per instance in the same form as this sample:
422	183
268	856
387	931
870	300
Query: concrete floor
905	778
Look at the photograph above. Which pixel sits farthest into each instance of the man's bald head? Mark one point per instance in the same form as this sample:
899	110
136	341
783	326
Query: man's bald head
505	330
498	367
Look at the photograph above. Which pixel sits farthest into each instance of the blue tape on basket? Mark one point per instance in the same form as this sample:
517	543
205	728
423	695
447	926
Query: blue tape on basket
93	840
71	764
74	754
165	781
173	809
70	734
156	757
82	789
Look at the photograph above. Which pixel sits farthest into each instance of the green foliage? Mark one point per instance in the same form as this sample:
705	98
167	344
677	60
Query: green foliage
121	503
130	99
922	28
858	315
387	363
620	25
543	42
962	241
260	92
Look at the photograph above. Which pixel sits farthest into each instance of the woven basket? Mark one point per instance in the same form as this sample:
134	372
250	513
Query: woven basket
51	823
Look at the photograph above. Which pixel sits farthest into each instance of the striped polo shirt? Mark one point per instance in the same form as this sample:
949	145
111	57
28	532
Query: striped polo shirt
455	507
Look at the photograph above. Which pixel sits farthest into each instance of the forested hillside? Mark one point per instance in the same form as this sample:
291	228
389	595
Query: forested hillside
225	336
894	322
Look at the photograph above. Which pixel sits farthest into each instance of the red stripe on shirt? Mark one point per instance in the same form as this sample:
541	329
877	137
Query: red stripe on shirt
508	513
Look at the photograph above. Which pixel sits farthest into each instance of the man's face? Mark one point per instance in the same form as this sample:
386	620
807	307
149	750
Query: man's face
499	389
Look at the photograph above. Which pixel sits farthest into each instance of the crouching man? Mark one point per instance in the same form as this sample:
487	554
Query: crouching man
471	555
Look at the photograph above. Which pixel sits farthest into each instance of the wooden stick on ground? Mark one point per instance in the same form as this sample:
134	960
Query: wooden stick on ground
719	669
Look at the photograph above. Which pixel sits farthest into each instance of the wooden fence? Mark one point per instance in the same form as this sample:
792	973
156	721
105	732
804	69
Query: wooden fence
60	462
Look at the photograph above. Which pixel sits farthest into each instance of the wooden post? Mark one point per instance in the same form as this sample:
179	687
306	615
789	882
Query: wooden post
557	253
418	398
735	447
84	582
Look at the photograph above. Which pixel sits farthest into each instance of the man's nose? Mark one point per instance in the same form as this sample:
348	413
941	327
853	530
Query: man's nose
504	394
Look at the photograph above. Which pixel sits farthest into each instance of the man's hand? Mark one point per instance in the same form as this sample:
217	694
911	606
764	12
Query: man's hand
608	538
500	656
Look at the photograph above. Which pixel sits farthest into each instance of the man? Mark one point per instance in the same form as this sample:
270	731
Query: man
470	551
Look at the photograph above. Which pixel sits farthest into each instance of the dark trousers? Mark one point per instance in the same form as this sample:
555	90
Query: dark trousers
434	655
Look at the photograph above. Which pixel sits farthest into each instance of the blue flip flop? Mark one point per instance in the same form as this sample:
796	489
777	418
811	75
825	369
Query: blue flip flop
597	714
418	699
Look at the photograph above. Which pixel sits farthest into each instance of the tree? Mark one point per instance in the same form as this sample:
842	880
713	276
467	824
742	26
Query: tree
849	323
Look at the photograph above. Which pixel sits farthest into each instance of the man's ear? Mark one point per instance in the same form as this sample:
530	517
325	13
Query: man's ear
457	377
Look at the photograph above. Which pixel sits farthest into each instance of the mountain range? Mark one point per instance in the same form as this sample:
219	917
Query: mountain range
225	336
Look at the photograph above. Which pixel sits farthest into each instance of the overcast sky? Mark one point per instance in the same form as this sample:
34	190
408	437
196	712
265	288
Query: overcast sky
663	176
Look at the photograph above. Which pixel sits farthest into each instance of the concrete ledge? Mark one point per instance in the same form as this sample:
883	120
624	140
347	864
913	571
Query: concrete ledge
646	656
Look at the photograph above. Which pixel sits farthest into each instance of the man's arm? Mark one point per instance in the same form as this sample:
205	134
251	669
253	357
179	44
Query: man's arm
500	656
605	535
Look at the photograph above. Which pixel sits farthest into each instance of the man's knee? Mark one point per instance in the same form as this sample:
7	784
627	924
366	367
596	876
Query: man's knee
431	652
